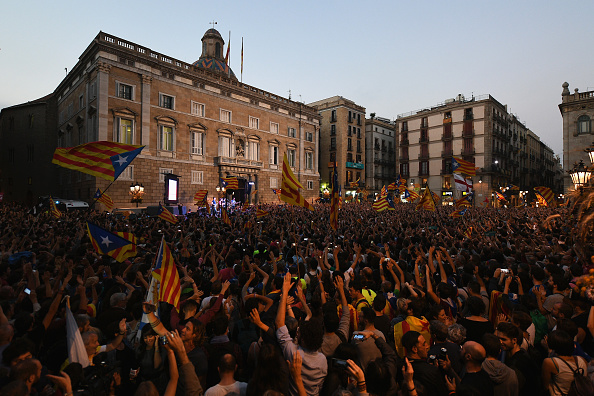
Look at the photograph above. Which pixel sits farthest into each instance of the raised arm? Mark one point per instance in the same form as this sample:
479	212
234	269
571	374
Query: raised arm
430	287
282	305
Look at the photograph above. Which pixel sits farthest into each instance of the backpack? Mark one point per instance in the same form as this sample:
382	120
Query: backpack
581	385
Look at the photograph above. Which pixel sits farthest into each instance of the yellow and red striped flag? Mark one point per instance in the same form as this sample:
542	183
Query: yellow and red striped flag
165	272
401	184
462	166
166	215
230	183
468	232
547	195
200	197
381	204
102	159
464	201
411	195
289	178
384	191
392	186
104	199
290	188
458	213
120	246
261	213
334	200
54	209
225	217
426	202
355	184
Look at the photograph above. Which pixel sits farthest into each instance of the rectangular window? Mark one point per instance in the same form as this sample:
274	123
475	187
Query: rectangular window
309	136
81	134
291	132
273	157
197	177
308	160
333	116
198	109
291	157
225	116
349	144
358	146
163	172
196	143
274	127
254	123
124	132
166	101
310	184
349	131
226	146
253	151
127	174
166	138
81	102
126	91
332	143
273	182
332	129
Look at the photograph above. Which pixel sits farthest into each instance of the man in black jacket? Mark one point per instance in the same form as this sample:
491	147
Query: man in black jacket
425	374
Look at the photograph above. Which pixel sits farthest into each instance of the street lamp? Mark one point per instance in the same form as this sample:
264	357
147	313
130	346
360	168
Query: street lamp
590	151
136	191
580	175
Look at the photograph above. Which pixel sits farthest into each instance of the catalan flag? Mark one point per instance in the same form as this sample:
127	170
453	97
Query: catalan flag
458	213
426	202
225	217
54	209
411	195
230	183
381	204
119	246
166	215
261	213
290	188
547	195
461	166
277	192
339	197
228	49
355	184
513	187
464	201
334	203
104	199
246	206
401	184
468	232
102	159
384	192
165	272
392	186
500	196
201	197
436	198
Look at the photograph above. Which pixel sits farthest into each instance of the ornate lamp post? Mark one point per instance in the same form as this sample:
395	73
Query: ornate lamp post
136	192
580	175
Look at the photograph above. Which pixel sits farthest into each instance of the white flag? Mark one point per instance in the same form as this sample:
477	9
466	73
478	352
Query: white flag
463	184
76	347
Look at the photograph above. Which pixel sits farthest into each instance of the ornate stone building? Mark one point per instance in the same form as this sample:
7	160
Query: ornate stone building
380	153
577	110
195	119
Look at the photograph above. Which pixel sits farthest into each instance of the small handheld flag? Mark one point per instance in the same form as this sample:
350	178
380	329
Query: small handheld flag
166	215
165	272
119	246
104	199
54	209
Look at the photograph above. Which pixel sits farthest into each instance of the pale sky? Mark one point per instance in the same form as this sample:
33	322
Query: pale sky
391	57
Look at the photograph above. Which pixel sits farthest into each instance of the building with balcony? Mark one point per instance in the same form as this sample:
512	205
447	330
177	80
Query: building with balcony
380	153
196	120
477	129
577	110
342	136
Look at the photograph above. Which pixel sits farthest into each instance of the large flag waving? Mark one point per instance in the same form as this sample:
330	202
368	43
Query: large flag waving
464	201
426	202
410	195
166	215
104	199
225	217
102	159
119	246
290	188
261	213
334	204
381	204
74	341
461	166
230	183
458	213
547	195
165	272
201	198
462	183
54	209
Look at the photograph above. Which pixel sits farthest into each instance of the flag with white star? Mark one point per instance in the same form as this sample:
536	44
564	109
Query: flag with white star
102	159
120	245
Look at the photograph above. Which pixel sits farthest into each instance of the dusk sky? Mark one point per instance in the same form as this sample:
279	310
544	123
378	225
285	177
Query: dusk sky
391	57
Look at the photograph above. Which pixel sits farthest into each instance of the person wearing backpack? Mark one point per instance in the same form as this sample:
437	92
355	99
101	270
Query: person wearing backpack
565	374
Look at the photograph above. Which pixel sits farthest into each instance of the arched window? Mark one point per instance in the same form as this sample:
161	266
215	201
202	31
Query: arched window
583	124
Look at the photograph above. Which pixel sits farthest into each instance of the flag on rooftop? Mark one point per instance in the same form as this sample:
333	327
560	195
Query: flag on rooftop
120	246
166	215
104	199
102	159
461	166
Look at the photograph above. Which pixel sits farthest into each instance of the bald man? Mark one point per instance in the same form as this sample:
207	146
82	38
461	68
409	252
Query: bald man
474	376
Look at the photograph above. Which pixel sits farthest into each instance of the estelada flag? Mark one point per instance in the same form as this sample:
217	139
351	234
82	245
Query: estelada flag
458	213
166	215
165	272
411	323
230	183
426	202
381	204
461	166
104	199
464	201
355	184
547	195
120	246
410	195
225	217
261	213
54	209
102	159
200	196
392	186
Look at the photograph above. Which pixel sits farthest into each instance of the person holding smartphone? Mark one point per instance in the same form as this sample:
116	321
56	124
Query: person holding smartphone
367	350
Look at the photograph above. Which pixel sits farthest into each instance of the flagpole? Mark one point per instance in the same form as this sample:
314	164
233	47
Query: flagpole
241	60
96	199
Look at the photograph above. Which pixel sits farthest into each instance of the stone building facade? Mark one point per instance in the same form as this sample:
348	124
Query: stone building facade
342	137
195	119
577	110
380	153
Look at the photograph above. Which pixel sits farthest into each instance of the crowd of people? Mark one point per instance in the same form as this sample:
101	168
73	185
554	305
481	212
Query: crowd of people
399	302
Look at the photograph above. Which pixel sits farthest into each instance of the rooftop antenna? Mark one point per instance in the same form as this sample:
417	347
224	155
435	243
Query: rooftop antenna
66	70
300	99
289	94
212	23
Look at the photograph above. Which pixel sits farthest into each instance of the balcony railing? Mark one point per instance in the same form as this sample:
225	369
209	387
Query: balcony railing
447	153
468	151
467	133
238	161
423	156
423	172
424	138
447	136
468	117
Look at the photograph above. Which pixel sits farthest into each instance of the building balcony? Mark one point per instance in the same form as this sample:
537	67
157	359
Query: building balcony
424	138
403	159
447	136
423	156
468	117
447	153
423	172
238	161
468	133
447	120
468	151
446	171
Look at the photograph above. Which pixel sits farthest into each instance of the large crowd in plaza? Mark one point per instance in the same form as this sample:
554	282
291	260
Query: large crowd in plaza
399	302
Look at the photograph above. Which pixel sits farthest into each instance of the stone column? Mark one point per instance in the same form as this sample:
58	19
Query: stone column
145	117
102	100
